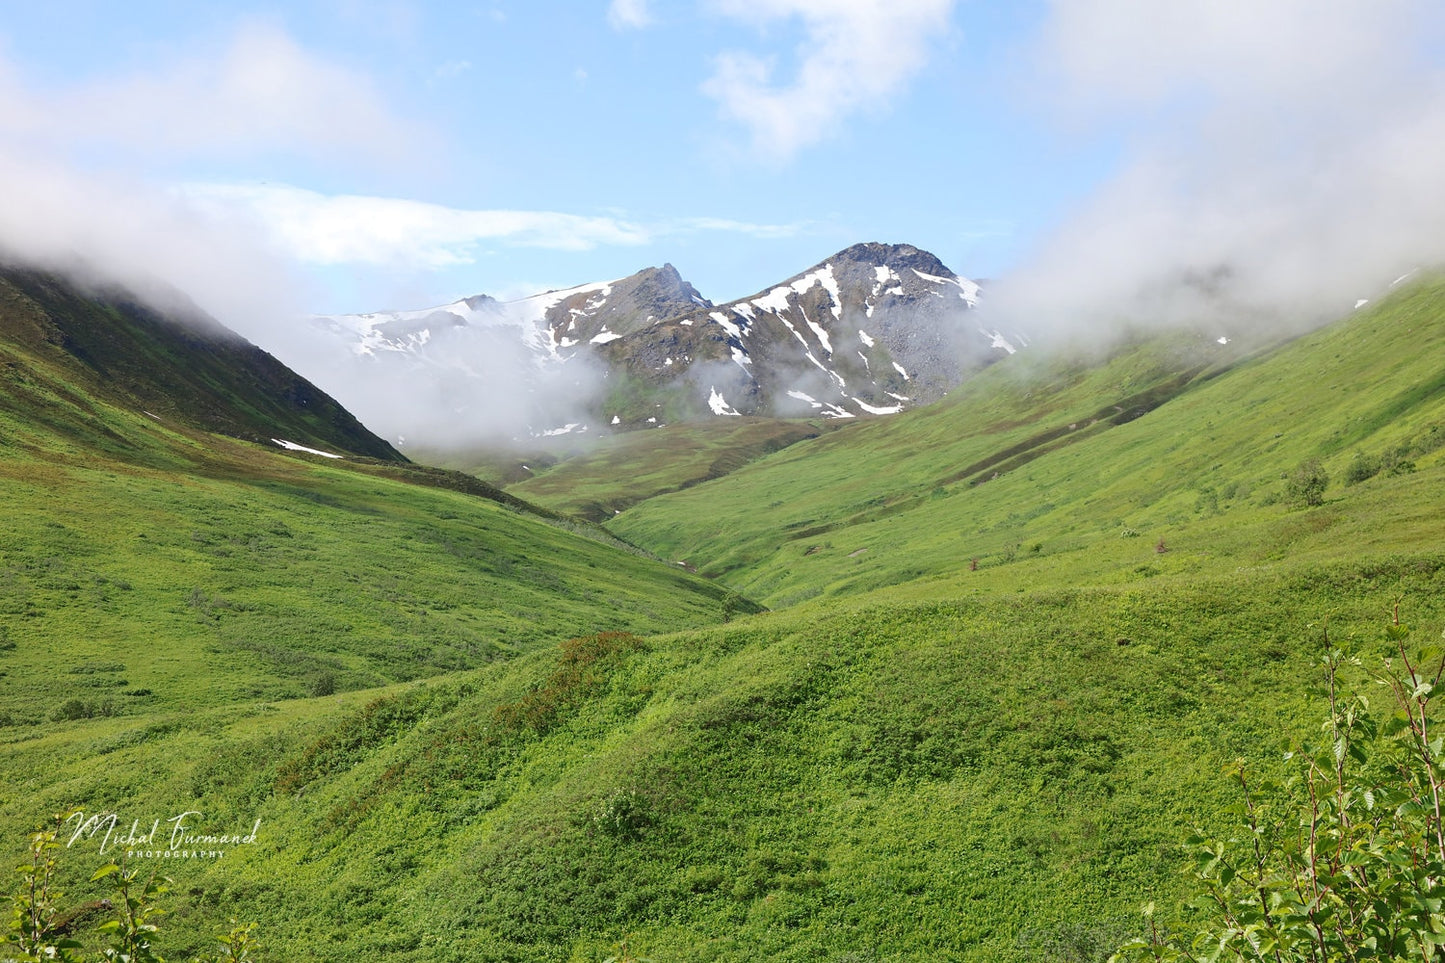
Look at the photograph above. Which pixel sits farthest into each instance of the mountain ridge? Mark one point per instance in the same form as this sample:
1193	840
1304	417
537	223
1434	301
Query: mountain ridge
175	363
649	349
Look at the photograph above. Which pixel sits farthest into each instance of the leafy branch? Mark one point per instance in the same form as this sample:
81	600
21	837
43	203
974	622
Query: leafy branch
1355	872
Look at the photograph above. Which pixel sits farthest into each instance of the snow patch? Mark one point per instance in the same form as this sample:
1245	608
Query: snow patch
872	410
967	290
604	336
777	300
997	340
727	325
804	396
901	371
830	284
863	335
820	331
719	404
292	446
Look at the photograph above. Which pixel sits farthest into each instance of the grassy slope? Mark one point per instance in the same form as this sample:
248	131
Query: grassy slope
148	570
974	765
895	500
182	366
974	776
622	470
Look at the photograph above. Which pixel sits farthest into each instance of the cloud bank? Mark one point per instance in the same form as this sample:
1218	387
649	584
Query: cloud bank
397	233
258	93
1284	163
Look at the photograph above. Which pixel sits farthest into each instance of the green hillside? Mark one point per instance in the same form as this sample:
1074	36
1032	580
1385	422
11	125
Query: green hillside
1016	637
1173	440
180	367
621	470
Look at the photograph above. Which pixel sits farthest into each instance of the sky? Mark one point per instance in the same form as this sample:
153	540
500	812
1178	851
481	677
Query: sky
1096	158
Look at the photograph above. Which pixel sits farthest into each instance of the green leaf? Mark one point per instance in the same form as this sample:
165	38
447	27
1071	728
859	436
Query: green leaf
108	869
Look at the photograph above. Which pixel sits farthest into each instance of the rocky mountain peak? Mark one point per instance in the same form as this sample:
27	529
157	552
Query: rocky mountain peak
872	330
895	256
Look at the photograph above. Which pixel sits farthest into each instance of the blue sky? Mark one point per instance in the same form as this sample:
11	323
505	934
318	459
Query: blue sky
380	154
602	112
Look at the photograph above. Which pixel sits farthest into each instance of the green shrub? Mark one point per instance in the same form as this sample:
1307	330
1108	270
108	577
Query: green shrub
622	815
1362	468
1357	869
39	933
1306	484
72	710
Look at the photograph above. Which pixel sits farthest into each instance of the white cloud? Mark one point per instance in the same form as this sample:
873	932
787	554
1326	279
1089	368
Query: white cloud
1284	159
629	14
321	229
113	228
261	93
727	225
1130	53
856	55
316	228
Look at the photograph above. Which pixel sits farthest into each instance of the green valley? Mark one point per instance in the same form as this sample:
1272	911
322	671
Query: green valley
1012	640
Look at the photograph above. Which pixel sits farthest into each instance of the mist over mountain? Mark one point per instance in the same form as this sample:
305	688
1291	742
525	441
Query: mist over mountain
871	331
175	364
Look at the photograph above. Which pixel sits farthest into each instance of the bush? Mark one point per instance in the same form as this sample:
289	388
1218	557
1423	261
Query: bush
1362	468
72	710
38	931
622	815
1357	871
1306	484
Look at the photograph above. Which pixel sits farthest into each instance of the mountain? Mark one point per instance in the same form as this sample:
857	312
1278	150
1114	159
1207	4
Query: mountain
178	366
552	326
873	330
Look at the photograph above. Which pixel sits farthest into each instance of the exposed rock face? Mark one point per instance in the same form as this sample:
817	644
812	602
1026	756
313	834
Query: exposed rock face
872	330
623	307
